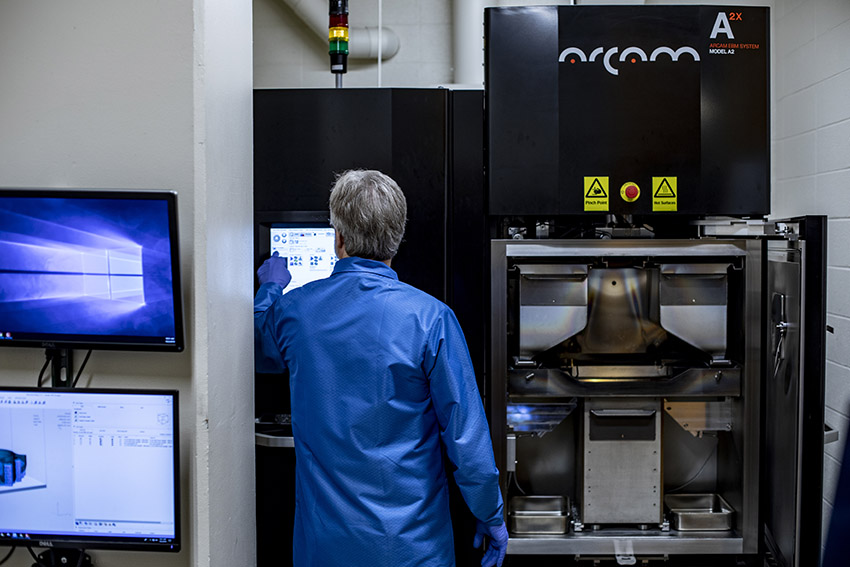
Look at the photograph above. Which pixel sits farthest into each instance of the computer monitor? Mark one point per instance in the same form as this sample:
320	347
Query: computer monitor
308	250
91	469
304	238
90	269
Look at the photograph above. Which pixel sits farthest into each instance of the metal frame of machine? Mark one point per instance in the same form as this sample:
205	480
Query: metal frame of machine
528	383
749	400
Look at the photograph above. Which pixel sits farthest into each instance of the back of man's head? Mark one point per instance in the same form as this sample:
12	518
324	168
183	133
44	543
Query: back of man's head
369	211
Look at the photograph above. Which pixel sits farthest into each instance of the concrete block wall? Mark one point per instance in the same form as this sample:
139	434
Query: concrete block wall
811	156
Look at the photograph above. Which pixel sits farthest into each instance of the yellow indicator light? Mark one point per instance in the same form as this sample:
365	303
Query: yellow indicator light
337	33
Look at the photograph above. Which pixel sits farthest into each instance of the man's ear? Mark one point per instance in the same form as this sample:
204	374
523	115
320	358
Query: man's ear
339	245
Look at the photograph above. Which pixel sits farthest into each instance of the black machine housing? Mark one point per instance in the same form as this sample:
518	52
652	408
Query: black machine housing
627	147
628	94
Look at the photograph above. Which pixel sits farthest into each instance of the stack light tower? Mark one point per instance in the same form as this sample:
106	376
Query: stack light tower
338	38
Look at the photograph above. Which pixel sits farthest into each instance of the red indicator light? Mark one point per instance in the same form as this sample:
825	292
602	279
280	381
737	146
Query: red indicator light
338	20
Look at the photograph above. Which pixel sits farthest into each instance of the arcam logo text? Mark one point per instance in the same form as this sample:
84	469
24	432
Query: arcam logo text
629	55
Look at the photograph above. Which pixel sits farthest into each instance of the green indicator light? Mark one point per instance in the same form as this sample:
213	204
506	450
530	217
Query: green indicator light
338	46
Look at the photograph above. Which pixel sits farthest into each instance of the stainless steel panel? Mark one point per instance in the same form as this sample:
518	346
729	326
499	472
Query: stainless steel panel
700	269
621	479
553	305
619	321
783	398
613	247
688	382
610	542
741	489
699	417
703	326
693	301
548	464
690	462
558	284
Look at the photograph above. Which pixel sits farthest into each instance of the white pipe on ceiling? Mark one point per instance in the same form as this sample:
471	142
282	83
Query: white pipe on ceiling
468	42
362	41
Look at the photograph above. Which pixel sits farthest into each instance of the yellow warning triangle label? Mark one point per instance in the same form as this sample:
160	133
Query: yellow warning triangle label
596	191
664	190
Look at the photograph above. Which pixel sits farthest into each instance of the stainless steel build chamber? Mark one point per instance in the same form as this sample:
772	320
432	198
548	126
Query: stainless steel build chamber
629	379
643	345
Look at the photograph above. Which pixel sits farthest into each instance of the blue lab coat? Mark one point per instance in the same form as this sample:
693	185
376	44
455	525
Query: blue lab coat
379	375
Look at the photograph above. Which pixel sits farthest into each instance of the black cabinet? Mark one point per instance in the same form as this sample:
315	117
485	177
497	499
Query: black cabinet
431	141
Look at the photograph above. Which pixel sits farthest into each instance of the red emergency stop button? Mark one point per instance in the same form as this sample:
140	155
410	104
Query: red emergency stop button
630	191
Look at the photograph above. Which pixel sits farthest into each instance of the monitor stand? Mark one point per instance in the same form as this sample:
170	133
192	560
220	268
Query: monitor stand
61	369
63	558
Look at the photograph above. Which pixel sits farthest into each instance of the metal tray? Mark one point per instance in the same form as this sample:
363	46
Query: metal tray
699	512
538	515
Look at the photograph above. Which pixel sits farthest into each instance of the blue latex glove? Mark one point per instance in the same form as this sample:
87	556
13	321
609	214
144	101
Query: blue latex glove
274	270
498	543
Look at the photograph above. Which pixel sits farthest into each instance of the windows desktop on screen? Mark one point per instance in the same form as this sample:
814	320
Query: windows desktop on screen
85	266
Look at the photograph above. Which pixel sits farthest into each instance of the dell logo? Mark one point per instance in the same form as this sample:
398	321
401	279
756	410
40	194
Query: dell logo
45	544
629	54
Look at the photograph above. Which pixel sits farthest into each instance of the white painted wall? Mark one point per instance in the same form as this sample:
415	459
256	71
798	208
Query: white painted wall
811	153
224	517
154	95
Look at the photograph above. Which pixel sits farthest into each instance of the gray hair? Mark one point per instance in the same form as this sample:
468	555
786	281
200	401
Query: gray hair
369	211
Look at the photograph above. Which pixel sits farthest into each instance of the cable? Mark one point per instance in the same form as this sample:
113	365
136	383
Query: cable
8	555
80	371
693	478
34	556
513	478
49	356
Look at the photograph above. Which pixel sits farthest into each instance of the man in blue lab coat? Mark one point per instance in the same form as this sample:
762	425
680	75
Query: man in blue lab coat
380	378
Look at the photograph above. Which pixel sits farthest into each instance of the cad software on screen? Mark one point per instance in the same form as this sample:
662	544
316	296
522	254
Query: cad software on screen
86	465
